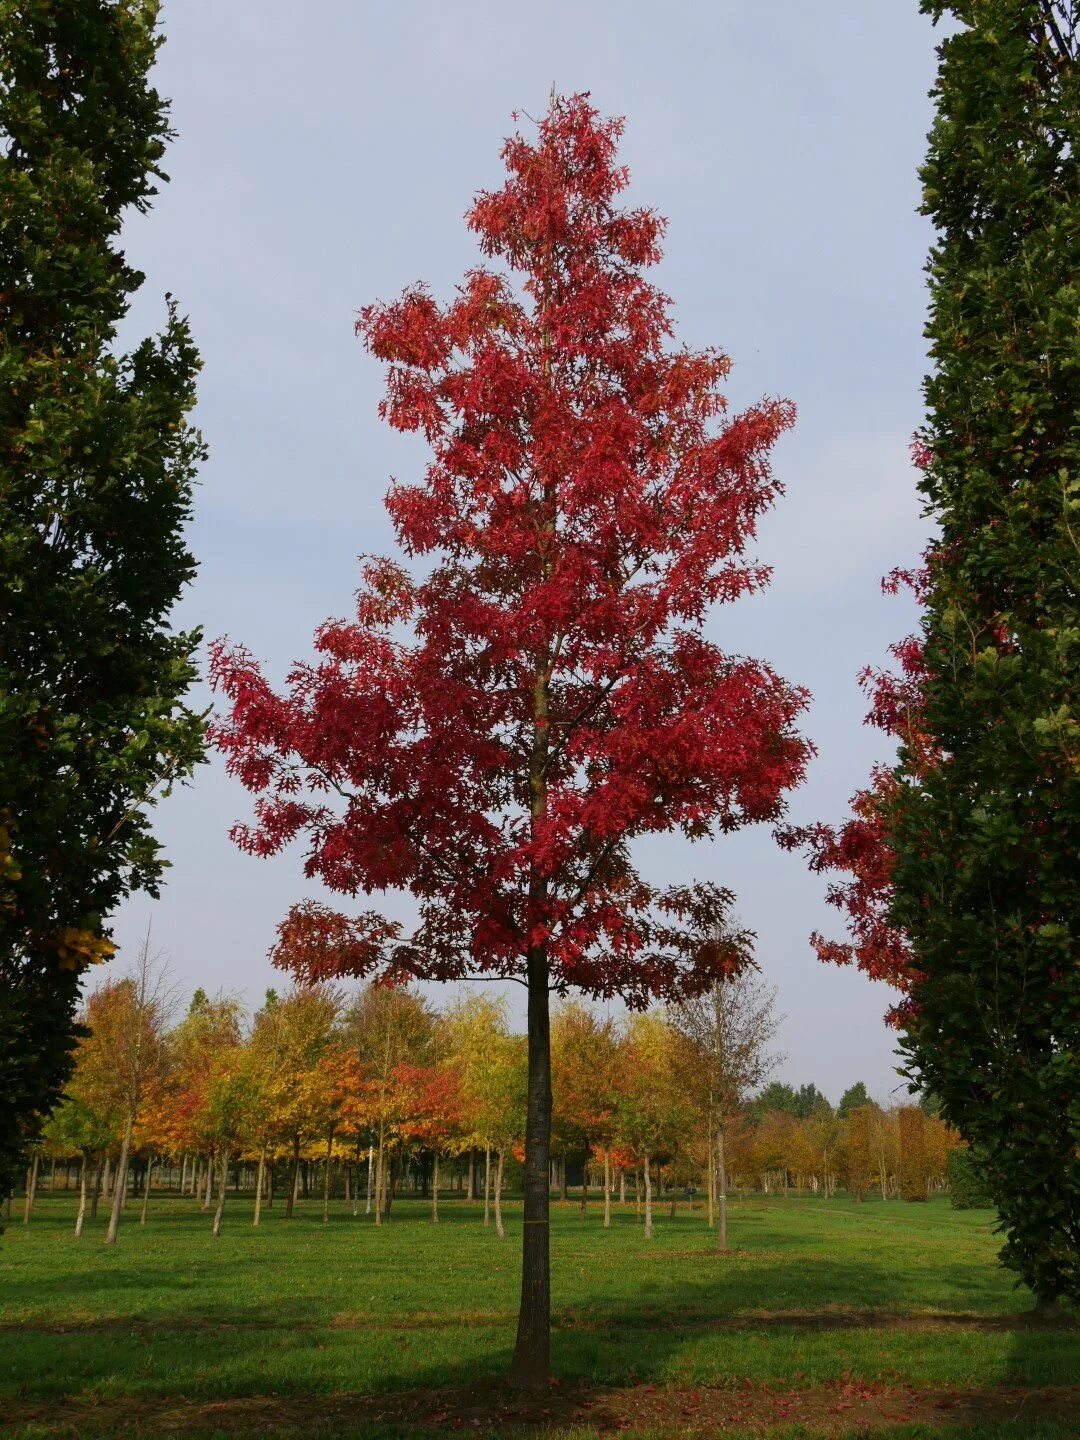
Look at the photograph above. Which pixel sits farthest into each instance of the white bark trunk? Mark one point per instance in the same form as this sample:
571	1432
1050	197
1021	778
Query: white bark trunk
221	1190
259	1188
82	1197
118	1184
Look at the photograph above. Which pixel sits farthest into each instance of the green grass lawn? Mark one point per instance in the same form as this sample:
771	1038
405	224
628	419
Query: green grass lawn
815	1294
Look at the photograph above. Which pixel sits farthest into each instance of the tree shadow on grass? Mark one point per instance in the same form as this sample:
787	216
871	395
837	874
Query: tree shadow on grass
670	1311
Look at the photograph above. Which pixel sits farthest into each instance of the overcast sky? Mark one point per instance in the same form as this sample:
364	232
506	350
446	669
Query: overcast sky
325	156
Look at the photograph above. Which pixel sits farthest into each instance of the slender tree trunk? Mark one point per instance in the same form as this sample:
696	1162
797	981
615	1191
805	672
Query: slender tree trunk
472	1174
208	1191
487	1184
81	1216
370	1157
563	1193
607	1190
638	1182
710	1178
498	1197
380	1165
31	1189
532	1352
721	1186
390	1179
147	1178
326	1181
290	1198
435	1190
99	1171
648	1199
259	1188
221	1189
622	1185
347	1172
119	1184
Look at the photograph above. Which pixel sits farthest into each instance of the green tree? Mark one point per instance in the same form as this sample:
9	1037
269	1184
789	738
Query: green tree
853	1098
388	1026
729	1029
810	1101
778	1096
985	829
96	470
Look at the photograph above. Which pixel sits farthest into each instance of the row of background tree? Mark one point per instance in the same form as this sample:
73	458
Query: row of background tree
381	1090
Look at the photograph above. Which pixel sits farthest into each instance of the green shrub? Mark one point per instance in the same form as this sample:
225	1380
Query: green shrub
967	1185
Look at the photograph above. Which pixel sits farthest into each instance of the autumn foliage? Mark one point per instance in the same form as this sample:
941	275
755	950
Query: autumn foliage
491	730
587	500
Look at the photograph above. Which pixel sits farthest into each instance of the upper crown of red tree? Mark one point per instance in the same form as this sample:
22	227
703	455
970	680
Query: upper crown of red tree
492	735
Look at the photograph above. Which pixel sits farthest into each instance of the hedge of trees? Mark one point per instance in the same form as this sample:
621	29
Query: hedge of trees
367	1098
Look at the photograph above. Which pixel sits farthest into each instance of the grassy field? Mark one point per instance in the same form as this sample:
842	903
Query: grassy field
827	1318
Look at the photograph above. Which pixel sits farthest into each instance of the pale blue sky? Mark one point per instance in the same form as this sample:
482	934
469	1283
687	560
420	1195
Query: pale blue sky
326	155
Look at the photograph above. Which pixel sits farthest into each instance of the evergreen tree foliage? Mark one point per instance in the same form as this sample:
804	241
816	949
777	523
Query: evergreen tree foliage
96	470
985	827
853	1098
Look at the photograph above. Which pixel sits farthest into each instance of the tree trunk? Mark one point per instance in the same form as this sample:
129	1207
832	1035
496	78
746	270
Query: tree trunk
326	1181
721	1189
472	1175
120	1183
562	1178
584	1185
487	1184
532	1352
622	1185
290	1198
98	1174
710	1167
380	1165
208	1190
370	1158
31	1189
146	1189
607	1190
498	1197
260	1179
435	1190
82	1197
648	1200
221	1189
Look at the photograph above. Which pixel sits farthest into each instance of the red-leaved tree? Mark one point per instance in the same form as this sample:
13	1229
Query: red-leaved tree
491	737
858	854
